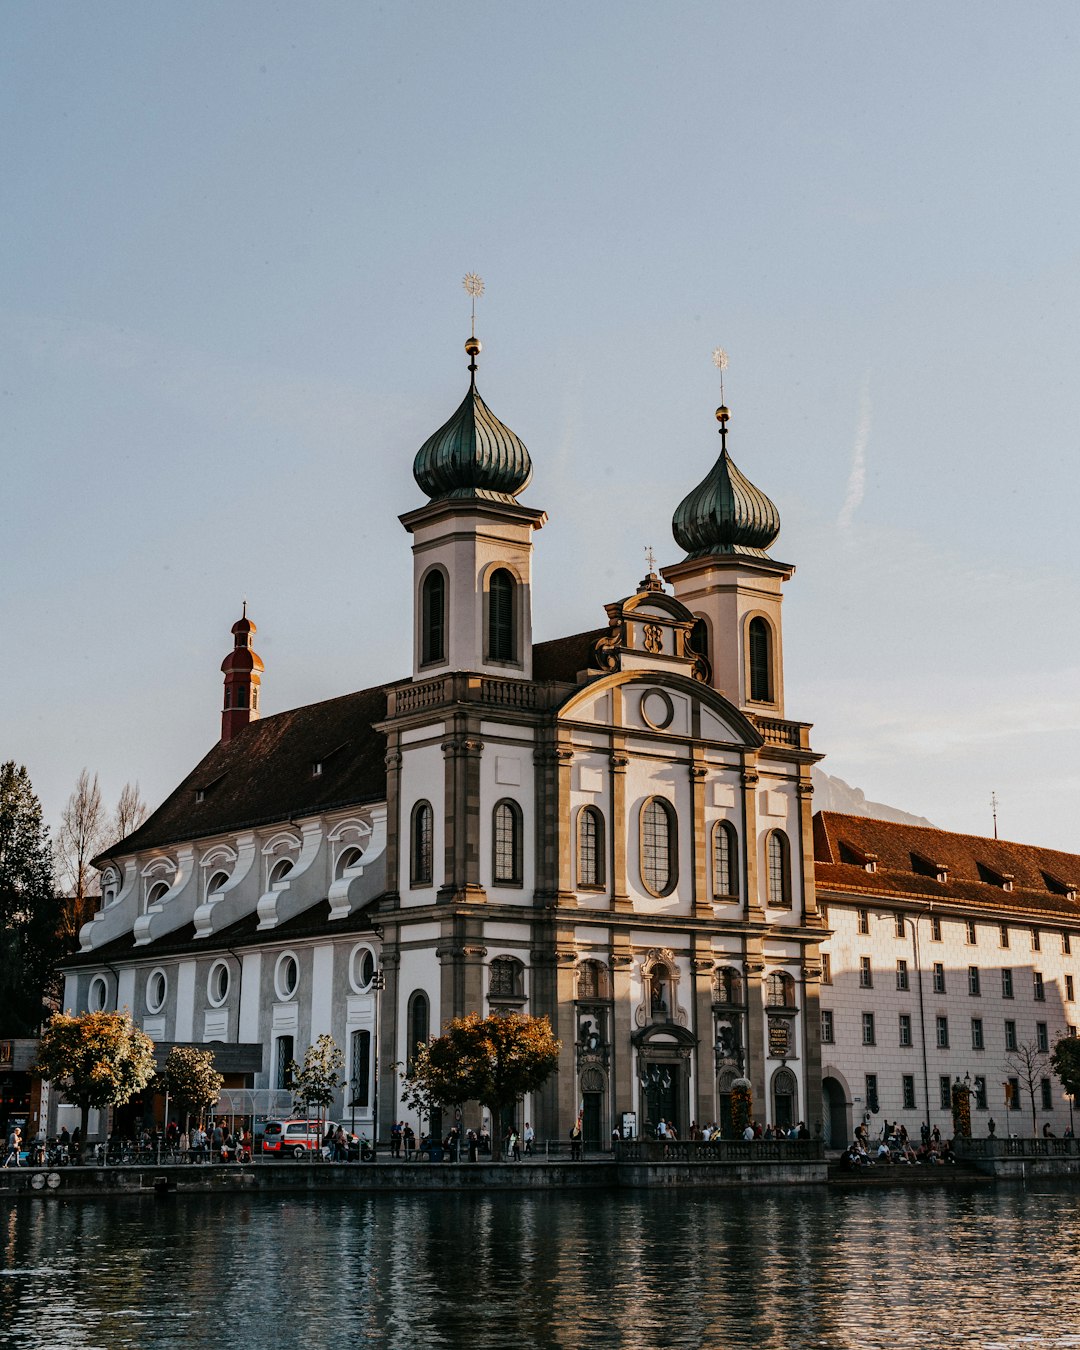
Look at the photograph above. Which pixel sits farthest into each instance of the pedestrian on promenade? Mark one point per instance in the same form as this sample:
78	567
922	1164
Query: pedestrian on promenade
575	1141
14	1145
528	1136
395	1139
408	1138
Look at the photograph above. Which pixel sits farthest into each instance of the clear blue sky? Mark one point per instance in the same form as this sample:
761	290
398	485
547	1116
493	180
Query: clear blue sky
231	310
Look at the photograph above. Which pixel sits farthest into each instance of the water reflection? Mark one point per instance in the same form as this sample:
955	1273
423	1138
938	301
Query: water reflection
765	1269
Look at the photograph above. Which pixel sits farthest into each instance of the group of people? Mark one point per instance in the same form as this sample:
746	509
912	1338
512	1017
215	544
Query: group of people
893	1148
402	1140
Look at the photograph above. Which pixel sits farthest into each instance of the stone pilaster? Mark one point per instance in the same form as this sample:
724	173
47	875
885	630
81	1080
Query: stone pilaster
752	907
620	898
702	963
389	1037
757	1034
701	897
811	1002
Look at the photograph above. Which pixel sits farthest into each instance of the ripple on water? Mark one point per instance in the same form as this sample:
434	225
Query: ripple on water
998	1270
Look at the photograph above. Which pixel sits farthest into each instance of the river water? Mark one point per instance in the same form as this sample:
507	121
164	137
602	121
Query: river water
762	1268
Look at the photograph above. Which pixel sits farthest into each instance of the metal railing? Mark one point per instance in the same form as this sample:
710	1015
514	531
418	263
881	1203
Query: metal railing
719	1150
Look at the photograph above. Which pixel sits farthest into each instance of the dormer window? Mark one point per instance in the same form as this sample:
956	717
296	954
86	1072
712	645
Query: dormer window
316	769
200	794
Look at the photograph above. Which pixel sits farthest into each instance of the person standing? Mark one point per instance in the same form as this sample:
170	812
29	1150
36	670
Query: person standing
408	1138
14	1145
575	1141
529	1136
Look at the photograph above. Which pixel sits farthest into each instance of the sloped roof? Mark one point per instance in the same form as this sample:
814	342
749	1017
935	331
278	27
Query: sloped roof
264	773
976	869
562	658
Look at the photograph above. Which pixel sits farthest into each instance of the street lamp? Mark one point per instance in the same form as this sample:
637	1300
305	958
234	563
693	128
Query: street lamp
922	1006
655	1082
378	984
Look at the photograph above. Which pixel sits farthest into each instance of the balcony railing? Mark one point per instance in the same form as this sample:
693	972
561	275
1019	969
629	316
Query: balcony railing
719	1151
405	699
795	735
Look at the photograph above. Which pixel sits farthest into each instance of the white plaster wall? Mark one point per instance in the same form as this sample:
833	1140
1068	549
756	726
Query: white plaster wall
423	778
322	990
185	1001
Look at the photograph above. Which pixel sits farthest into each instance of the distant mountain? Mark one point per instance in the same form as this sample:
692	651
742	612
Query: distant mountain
833	794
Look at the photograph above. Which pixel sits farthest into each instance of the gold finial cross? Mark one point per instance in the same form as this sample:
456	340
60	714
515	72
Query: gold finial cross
719	359
650	558
474	286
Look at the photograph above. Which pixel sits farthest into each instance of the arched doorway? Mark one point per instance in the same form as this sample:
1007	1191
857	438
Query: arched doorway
837	1129
785	1099
724	1084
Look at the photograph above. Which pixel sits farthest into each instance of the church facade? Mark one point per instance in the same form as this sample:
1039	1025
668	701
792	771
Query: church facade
611	829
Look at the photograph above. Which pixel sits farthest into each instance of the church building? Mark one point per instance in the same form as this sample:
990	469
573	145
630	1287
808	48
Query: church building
612	829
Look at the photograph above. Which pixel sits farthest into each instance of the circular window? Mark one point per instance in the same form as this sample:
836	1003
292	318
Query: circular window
361	968
286	976
657	710
157	986
217	984
98	995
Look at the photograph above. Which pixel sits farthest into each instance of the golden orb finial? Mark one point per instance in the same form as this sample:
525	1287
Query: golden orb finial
472	346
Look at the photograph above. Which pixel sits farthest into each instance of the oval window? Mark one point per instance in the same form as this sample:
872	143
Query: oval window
286	976
363	968
98	995
217	984
157	986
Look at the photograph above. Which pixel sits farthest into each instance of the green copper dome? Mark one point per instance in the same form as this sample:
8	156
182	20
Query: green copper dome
726	513
473	454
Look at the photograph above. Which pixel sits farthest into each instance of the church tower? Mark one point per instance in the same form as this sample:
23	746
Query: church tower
472	546
242	668
729	581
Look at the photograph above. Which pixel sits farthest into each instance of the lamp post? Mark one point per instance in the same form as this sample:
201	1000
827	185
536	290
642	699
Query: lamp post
922	1005
378	984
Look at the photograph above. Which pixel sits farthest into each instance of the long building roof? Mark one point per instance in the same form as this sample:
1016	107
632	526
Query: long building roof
888	860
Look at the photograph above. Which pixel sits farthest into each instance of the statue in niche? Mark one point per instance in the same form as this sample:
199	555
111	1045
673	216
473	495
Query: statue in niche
589	1036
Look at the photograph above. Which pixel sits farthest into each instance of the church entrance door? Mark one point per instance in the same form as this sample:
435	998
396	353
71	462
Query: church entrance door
591	1123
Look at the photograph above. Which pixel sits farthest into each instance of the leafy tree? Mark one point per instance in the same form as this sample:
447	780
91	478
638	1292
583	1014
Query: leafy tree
317	1080
1030	1064
98	1059
30	942
1065	1062
190	1078
490	1060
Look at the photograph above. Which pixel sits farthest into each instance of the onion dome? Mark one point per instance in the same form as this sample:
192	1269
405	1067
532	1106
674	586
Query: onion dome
473	454
726	513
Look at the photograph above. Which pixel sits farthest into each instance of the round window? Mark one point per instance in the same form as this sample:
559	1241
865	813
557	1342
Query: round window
362	970
657	709
98	995
286	976
157	986
217	984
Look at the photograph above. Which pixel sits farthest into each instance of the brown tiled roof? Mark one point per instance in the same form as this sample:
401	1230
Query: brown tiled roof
562	658
264	773
975	868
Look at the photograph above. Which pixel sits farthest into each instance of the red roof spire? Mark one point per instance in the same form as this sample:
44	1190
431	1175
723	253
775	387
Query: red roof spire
241	668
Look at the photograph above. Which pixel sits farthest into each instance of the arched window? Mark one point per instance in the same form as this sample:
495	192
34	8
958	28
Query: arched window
780	990
501	645
157	892
420	845
419	1025
760	638
590	847
283	1056
725	857
778	859
699	639
433	618
658	846
280	870
506	844
216	882
506	978
729	985
594	981
360	1077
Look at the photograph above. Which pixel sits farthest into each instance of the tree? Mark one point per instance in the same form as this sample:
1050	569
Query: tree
189	1076
316	1081
490	1060
97	1060
1030	1064
30	943
84	832
130	813
1065	1062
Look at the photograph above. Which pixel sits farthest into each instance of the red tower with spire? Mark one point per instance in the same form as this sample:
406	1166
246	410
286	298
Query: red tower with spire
241	667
